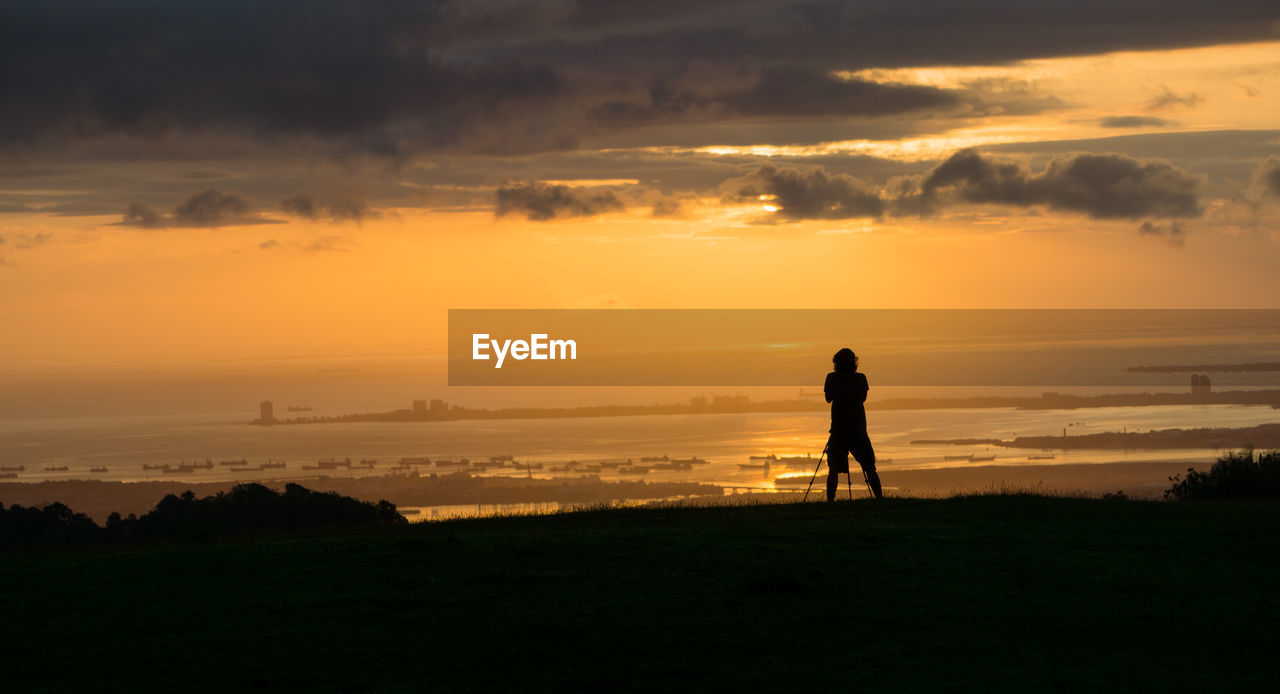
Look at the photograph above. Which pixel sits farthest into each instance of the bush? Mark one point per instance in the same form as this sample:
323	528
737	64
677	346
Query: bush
246	508
1236	475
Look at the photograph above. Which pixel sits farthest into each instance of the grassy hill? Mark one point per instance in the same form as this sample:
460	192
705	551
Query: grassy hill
994	592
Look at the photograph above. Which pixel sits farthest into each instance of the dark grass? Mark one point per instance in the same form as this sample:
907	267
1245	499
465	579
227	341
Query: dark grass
990	592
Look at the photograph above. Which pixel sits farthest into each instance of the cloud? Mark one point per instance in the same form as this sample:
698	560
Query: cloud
208	208
540	202
1134	122
1167	99
809	193
1102	186
1266	178
326	244
345	206
36	240
269	244
401	79
1173	233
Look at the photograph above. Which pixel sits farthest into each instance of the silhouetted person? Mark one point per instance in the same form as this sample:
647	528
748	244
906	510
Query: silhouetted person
846	390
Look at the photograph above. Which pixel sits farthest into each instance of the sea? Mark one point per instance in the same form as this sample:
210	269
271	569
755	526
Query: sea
118	447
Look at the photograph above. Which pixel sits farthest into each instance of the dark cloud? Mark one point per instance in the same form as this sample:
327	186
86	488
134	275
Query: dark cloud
540	202
349	206
1266	178
398	79
1173	233
1134	122
1167	99
15	208
1102	186
208	208
269	244
300	205
809	193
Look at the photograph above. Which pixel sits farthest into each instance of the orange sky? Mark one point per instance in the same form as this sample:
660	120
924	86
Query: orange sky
82	291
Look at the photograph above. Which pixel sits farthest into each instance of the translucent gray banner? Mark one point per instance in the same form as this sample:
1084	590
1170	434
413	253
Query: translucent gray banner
771	347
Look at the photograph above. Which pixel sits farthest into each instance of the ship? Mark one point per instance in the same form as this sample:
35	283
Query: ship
634	470
228	463
14	468
56	468
97	469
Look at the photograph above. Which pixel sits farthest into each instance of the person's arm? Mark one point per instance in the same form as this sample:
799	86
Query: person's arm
826	388
862	392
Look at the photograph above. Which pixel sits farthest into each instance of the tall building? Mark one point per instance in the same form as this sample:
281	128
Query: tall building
420	408
266	413
438	406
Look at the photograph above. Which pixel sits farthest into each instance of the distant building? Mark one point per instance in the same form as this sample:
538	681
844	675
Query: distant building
439	406
698	403
1200	384
729	403
420	408
266	412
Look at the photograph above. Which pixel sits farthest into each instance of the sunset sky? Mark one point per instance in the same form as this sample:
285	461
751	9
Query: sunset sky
195	182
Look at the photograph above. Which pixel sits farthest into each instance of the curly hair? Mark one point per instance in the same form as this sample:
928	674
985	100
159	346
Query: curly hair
845	360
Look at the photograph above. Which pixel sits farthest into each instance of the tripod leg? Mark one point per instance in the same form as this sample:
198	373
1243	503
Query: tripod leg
815	475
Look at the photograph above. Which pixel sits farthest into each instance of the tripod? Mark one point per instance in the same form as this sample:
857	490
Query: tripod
848	476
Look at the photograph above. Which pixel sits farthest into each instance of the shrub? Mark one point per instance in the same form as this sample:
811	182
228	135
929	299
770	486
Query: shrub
1236	475
246	508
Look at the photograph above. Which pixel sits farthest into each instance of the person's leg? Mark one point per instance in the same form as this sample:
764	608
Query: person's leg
837	463
866	457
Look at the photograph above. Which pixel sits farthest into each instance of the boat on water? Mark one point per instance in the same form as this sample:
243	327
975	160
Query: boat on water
654	459
1041	457
958	457
228	463
415	461
982	458
763	458
695	460
97	469
447	462
330	464
273	465
14	468
57	468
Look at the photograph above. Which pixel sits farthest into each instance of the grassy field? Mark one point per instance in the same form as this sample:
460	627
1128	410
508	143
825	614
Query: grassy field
994	592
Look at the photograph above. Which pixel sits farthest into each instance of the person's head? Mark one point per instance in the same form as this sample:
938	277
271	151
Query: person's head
845	360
